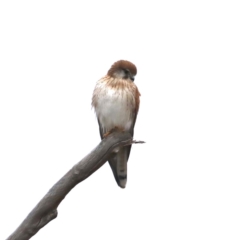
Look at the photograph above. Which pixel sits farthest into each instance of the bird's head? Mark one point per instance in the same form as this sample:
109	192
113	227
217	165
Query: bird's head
123	69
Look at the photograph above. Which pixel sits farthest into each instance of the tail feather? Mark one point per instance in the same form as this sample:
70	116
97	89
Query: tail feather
119	166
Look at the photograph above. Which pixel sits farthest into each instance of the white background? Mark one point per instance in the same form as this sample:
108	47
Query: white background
184	182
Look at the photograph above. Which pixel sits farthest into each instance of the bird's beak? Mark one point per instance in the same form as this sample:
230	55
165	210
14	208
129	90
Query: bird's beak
132	78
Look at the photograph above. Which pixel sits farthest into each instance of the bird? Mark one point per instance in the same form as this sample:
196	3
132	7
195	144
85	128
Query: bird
116	101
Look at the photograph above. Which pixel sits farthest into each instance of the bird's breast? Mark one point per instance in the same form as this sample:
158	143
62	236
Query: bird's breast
115	104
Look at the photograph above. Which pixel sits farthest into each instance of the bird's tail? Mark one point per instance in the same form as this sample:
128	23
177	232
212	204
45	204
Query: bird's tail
119	167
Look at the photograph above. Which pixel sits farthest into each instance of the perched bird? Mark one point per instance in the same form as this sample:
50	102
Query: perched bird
116	102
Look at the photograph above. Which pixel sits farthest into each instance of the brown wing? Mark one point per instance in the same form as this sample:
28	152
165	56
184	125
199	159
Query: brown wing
137	100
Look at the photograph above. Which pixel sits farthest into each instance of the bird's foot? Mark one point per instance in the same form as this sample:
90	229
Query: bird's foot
115	129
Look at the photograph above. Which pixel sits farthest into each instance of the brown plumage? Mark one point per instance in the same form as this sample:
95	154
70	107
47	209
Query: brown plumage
116	102
120	65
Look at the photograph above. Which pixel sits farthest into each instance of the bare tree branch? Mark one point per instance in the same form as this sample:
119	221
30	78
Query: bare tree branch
46	209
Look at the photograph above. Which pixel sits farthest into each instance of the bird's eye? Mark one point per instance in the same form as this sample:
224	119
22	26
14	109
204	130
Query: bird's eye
127	73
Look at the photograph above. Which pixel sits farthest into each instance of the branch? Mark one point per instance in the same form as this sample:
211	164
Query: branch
46	209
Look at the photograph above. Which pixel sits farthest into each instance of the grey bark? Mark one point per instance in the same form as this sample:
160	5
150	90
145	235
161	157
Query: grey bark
46	209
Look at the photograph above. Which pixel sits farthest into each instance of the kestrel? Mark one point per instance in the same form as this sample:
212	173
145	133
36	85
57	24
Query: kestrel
116	102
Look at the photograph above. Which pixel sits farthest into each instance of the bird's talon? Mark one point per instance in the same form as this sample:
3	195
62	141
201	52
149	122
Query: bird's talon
115	129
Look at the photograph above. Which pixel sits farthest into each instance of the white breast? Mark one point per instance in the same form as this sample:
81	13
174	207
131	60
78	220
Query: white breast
114	107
